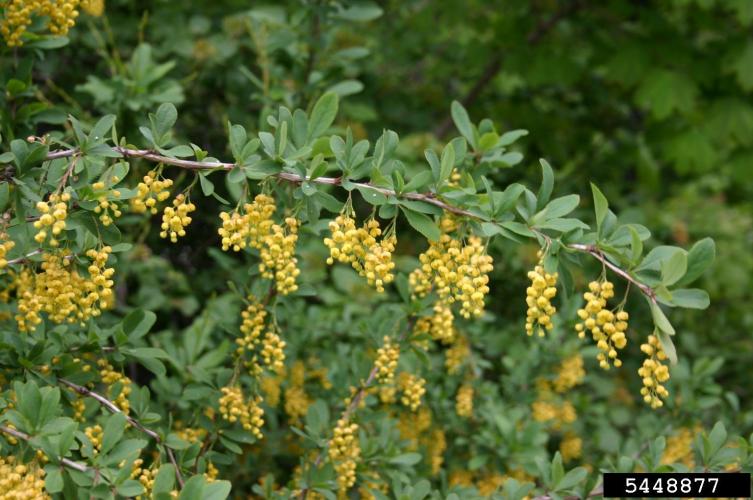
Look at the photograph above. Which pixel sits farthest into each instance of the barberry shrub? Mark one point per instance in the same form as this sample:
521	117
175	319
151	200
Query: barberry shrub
331	327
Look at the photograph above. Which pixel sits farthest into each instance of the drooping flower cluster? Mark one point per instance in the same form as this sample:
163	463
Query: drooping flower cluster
571	446
538	297
18	14
273	352
94	433
440	325
413	388
464	401
107	209
234	408
21	481
570	374
248	227
63	293
6	246
456	355
51	222
387	358
175	219
114	379
149	192
278	261
456	271
607	328
654	373
345	451
360	248
252	325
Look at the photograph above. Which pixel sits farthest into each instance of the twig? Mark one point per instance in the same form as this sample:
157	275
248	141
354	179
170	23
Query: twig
430	198
113	408
25	437
596	252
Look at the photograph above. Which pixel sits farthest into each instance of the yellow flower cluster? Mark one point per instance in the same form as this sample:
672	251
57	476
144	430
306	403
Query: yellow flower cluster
273	352
538	297
6	246
234	408
456	355
607	328
252	325
457	272
250	227
270	386
278	259
571	446
79	407
570	374
17	17
464	401
190	434
106	209
387	358
654	373
110	377
679	447
175	219
52	216
344	451
21	481
440	325
93	7
544	410
412	388
94	433
149	192
61	292
297	401
360	248
436	446
412	424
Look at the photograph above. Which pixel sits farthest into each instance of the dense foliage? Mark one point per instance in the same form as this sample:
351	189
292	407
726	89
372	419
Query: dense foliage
302	250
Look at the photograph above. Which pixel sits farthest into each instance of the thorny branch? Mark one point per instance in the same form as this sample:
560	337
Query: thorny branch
64	461
113	408
430	198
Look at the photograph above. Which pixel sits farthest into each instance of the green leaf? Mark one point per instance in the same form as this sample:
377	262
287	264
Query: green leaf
406	459
463	123
559	207
422	223
691	298
511	136
674	268
700	257
668	345
164	482
207	186
217	490
418	182
600	206
431	158
113	431
323	115
130	488
636	245
138	323
660	320
571	479
163	121
193	489
547	184
53	479
447	163
717	439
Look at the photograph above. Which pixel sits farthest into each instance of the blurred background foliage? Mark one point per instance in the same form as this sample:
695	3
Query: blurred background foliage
649	99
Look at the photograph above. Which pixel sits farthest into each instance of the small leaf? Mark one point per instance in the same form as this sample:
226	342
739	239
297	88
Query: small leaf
463	123
600	206
323	115
447	163
691	298
700	257
674	268
547	184
406	459
660	320
138	323
113	431
423	224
